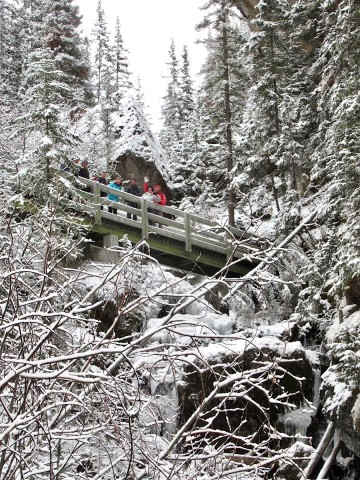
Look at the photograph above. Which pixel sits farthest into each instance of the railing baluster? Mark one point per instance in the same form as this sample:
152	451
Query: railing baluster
187	232
229	242
144	218
96	191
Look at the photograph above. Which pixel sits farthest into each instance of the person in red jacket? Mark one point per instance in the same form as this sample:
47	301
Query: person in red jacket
160	194
158	191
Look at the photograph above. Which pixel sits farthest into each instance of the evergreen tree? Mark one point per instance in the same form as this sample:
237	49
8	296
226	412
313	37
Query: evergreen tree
280	114
223	90
107	72
11	36
104	72
171	109
139	95
122	75
45	93
186	92
170	136
54	25
337	158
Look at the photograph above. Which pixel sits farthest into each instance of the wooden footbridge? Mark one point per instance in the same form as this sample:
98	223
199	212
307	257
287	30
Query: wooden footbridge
175	238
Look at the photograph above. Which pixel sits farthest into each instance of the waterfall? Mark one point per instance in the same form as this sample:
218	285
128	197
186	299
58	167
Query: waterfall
160	415
295	422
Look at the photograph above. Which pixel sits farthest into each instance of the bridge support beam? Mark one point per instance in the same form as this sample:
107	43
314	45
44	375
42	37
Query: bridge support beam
110	241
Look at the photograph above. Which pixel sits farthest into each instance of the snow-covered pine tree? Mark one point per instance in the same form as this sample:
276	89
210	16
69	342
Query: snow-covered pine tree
44	123
171	134
186	90
104	74
336	158
222	94
55	26
280	114
122	74
333	278
180	133
139	94
10	77
171	109
10	49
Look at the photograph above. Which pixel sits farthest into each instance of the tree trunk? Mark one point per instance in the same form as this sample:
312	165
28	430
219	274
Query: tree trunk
316	456
273	186
329	461
229	144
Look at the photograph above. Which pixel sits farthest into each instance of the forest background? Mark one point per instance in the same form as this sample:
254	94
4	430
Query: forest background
269	142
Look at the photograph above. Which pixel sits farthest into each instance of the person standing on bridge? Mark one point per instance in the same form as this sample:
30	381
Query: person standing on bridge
84	173
150	196
83	170
134	190
103	181
161	195
157	191
117	184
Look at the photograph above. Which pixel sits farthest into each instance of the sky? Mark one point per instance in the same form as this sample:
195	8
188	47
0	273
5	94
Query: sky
147	28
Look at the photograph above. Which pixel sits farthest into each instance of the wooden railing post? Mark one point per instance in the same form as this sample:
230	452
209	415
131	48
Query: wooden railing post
96	191
229	247
144	218
187	232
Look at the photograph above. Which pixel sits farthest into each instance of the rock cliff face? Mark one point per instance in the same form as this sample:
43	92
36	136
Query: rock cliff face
247	8
291	376
138	153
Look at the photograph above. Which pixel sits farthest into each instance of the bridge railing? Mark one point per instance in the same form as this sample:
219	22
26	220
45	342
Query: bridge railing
169	222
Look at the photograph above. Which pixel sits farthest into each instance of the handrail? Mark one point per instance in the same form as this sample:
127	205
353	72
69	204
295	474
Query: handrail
193	230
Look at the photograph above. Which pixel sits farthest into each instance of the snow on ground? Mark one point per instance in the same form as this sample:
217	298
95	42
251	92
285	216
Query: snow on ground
199	321
350	326
199	330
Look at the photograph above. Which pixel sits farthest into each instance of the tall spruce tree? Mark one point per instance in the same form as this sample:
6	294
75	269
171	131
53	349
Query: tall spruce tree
104	73
12	33
280	115
45	94
179	136
337	158
170	135
223	90
186	90
122	74
171	109
54	25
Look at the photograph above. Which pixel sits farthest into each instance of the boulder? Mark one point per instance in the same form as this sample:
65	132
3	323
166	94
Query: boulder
257	402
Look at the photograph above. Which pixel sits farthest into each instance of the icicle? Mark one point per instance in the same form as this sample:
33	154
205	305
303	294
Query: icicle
317	382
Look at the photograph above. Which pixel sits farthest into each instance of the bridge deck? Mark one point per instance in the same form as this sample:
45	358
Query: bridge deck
179	238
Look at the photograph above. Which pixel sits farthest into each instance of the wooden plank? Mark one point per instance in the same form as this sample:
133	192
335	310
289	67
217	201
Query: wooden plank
203	221
96	201
202	243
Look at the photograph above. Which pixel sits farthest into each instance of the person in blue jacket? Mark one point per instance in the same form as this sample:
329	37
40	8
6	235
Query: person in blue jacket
114	198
